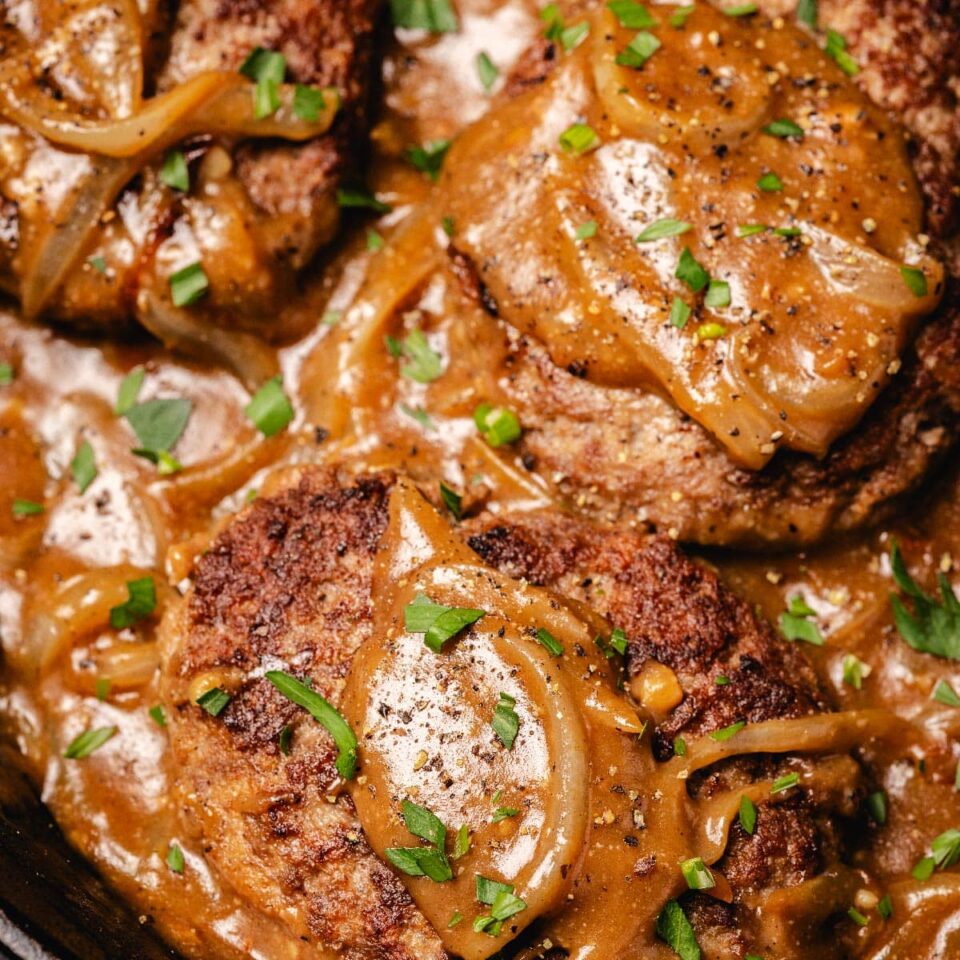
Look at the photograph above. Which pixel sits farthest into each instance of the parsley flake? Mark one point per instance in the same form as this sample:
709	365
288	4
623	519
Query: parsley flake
325	714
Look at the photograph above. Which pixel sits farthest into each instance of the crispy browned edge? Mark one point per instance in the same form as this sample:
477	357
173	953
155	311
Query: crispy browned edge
289	581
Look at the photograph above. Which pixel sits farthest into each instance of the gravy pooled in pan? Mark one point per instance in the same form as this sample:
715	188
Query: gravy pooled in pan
380	646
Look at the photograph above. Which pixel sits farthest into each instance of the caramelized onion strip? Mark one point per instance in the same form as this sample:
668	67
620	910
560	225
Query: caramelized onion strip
79	607
833	732
66	238
215	102
243	353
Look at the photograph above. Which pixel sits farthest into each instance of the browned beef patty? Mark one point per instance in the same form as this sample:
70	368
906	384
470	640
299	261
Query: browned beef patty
326	44
632	456
286	585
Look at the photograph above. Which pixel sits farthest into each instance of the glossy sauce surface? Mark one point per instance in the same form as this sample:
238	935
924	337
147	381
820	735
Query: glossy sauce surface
64	569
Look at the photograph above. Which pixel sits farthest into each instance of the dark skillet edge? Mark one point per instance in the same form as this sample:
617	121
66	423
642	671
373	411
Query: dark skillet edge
53	905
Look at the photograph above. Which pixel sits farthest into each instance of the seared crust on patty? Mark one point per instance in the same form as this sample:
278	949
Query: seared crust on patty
633	456
676	612
286	585
325	44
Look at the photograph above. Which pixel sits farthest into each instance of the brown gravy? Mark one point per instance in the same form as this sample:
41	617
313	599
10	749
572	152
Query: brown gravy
61	571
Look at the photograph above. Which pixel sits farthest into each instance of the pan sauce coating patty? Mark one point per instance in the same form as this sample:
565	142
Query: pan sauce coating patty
633	455
286	585
325	44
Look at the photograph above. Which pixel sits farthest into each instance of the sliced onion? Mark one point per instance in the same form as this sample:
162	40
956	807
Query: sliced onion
66	238
214	102
251	359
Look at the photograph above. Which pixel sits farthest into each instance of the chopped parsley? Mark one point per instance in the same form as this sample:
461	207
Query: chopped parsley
748	814
101	689
429	861
632	15
270	409
214	701
98	263
690	271
461	843
83	466
784	129
174	172
307	103
325	714
503	813
486	70
437	623
680	747
421	862
751	229
659	229
678	19
618	640
876	804
158	425
796	625
87	742
854	670
741	10
451	500
361	199
437	16
188	285
836	50
423	364
770	183
571	37
285	739
675	929
499	425
944	852
807	13
175	858
502	901
418	414
944	693
587	230
640	49
579	138
679	313
718	294
429	157
784	783
933	627
6	374
374	241
267	68
885	907
857	917
727	732
697	874
915	280
140	603
506	723
158	715
456	918
553	645
27	508
129	391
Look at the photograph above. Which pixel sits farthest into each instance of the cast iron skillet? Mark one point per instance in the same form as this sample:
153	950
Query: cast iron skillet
52	904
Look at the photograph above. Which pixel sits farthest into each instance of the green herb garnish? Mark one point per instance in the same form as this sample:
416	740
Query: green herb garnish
188	285
140	603
796	625
325	714
506	723
933	627
663	228
270	409
499	425
675	929
87	742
